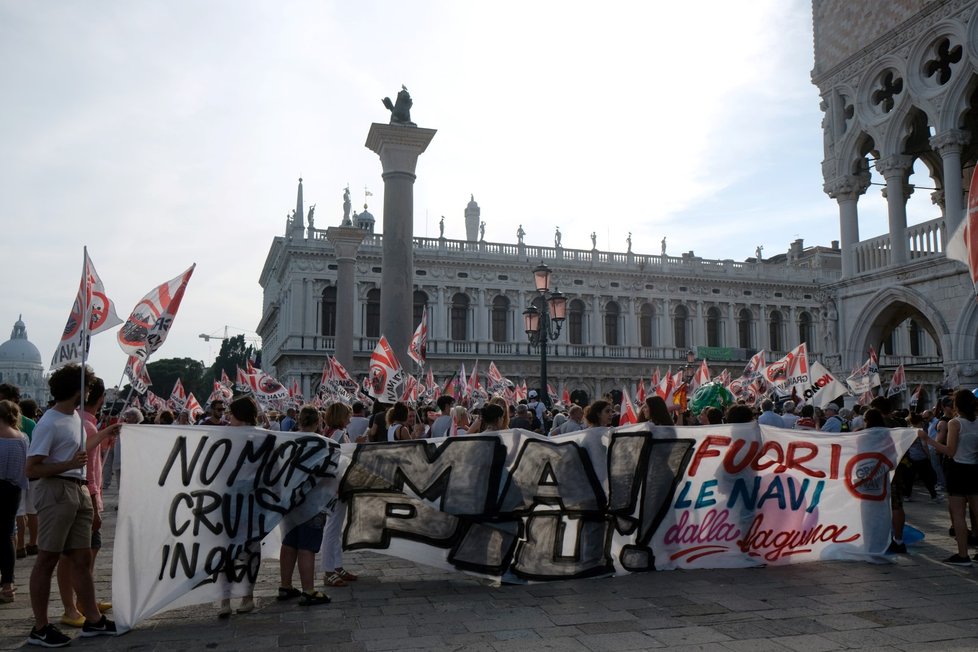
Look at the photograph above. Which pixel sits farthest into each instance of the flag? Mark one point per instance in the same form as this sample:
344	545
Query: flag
250	368
898	384
241	382
178	397
565	396
823	388
386	375
450	388
866	398
665	387
193	406
150	321
220	393
866	377
789	371
410	395
294	390
496	381
418	347
463	384
915	397
679	390
154	402
473	384
654	382
521	392
701	377
963	245
137	374
755	366
724	378
224	379
552	393
92	312
433	391
268	391
627	415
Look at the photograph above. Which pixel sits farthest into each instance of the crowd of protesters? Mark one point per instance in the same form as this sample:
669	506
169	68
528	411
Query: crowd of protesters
51	487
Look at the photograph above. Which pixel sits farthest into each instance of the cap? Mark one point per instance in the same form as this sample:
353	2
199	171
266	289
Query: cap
831	407
533	393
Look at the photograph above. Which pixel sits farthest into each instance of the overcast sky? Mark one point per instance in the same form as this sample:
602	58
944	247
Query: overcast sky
160	134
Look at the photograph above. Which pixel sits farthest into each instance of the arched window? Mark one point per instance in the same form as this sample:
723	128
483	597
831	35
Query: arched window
679	321
612	314
805	331
460	316
420	301
744	323
500	319
714	332
575	322
373	313
646	325
776	328
328	327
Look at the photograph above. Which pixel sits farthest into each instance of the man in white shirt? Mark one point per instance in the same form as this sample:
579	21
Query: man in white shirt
575	420
443	423
788	416
64	507
358	423
768	416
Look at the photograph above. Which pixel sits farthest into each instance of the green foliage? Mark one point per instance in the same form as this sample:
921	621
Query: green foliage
234	353
192	373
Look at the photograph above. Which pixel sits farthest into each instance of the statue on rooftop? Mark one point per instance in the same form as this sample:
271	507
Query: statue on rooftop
312	209
441	227
482	231
520	233
594	239
346	204
557	237
663	246
758	251
401	109
629	240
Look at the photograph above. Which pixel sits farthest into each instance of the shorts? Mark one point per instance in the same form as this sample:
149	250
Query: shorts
307	536
64	515
96	539
961	479
27	501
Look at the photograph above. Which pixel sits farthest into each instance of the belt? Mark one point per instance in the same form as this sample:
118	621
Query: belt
77	481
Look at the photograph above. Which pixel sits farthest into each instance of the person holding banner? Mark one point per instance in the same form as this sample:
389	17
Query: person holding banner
64	507
300	544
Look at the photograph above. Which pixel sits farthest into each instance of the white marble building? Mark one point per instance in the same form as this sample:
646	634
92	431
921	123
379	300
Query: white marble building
20	365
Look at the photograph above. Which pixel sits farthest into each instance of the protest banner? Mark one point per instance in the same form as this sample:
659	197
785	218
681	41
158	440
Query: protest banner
386	382
512	505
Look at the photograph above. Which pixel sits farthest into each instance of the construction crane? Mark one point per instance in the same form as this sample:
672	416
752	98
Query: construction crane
208	337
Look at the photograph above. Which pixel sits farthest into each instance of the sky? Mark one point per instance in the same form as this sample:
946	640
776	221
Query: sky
160	134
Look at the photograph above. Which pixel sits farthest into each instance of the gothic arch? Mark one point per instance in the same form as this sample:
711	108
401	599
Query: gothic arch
965	340
887	309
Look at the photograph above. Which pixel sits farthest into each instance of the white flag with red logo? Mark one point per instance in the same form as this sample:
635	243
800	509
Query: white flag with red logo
410	395
963	245
565	396
92	312
898	384
193	407
654	382
418	347
220	393
628	414
386	378
789	372
154	403
137	374
178	397
915	397
701	377
866	377
665	388
150	321
496	381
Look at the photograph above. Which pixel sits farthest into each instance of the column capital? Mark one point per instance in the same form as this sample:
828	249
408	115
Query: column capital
950	141
346	241
891	166
398	146
847	187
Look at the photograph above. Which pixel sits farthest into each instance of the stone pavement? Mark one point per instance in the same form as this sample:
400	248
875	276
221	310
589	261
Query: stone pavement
917	603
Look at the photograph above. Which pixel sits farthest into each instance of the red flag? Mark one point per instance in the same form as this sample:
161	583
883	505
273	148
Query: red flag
178	396
150	321
565	396
665	387
224	379
193	406
241	380
474	378
654	382
221	393
640	392
898	384
418	347
137	374
496	381
915	398
91	313
627	415
552	393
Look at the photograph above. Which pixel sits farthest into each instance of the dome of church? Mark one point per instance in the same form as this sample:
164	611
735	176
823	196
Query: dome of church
18	348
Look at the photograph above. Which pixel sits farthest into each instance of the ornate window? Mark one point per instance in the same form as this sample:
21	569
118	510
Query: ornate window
679	323
646	325
745	322
776	330
714	327
500	319
460	316
373	313
612	315
328	326
575	322
805	331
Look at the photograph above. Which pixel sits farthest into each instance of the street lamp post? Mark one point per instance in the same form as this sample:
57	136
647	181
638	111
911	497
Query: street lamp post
689	369
544	325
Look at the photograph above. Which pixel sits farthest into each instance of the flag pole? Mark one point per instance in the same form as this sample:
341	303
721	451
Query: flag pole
86	314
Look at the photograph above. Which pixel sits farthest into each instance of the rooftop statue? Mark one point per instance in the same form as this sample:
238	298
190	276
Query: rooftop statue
401	109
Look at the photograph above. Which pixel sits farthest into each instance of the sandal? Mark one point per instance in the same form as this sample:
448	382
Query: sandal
287	593
314	598
333	579
346	575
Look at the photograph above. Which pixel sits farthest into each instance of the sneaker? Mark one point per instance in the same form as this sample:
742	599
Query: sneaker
48	636
287	593
104	627
957	560
896	548
225	611
314	598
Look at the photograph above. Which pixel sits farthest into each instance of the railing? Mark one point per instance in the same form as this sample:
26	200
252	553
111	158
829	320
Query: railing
690	264
923	240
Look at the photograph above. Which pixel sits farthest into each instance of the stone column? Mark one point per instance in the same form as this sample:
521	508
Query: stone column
846	191
398	148
732	335
948	144
346	240
698	334
894	169
631	323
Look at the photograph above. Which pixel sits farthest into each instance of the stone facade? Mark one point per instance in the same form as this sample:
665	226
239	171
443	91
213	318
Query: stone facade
898	83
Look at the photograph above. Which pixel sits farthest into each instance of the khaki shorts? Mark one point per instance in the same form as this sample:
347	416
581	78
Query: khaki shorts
64	515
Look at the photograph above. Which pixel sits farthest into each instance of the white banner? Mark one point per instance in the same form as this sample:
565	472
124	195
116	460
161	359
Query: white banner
196	502
511	505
